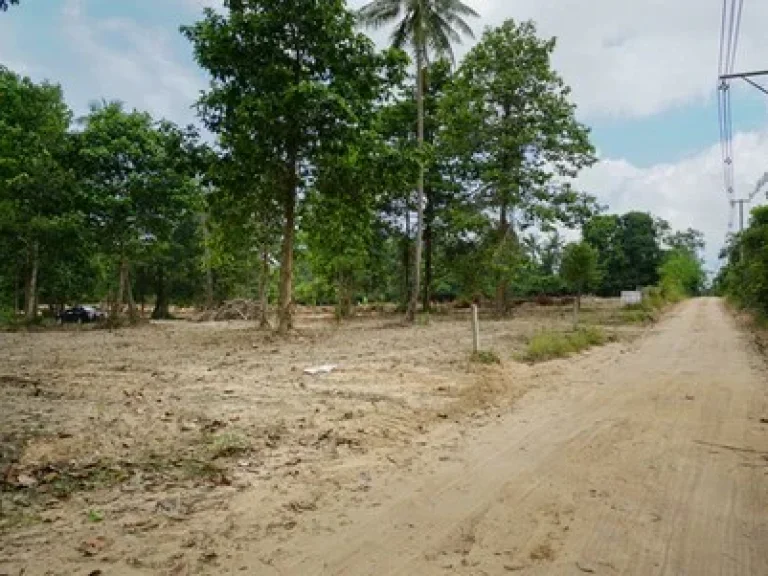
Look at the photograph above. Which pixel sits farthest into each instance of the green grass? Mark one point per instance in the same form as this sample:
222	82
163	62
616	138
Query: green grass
639	314
227	445
485	357
549	345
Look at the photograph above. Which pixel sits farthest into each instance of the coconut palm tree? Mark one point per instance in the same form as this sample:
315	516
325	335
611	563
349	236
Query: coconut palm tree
425	27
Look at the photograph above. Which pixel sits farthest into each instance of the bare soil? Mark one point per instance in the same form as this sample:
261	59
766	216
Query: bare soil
203	448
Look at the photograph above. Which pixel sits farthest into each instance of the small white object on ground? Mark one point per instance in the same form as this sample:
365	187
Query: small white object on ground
324	369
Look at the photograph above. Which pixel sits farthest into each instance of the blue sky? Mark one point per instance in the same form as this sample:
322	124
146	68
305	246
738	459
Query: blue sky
643	80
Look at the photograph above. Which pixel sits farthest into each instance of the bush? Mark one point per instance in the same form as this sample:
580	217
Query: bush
681	275
549	345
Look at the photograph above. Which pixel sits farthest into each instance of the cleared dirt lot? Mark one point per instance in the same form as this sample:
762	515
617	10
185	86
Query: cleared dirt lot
187	448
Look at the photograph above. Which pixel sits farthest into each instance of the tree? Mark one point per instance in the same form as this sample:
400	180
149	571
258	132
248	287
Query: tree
38	196
288	82
744	277
245	223
511	125
425	26
629	249
641	242
138	186
690	240
580	272
5	3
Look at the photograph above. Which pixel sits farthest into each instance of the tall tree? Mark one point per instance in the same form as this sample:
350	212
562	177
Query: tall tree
5	3
288	82
508	115
426	27
136	185
37	189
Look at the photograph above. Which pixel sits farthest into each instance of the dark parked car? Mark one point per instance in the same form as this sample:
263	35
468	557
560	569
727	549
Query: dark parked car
81	315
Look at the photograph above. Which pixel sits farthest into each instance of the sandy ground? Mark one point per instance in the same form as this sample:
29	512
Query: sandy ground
203	449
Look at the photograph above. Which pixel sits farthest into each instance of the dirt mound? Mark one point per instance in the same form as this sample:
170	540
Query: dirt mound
240	309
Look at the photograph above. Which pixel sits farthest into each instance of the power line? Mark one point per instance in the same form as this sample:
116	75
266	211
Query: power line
736	35
730	29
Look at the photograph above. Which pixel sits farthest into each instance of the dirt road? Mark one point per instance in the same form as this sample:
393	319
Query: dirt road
182	448
651	462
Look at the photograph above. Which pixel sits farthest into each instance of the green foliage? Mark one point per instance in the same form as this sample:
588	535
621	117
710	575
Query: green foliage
630	249
509	119
292	83
95	516
38	198
509	122
550	345
579	267
744	278
139	178
422	25
681	275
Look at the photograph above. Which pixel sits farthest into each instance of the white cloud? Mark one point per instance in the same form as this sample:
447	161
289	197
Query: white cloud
633	58
132	63
688	193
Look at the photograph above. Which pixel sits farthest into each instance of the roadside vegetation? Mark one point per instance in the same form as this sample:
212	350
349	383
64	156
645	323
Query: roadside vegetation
743	279
550	344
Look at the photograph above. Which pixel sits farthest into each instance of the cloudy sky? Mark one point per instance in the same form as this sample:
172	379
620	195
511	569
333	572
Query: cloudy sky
643	75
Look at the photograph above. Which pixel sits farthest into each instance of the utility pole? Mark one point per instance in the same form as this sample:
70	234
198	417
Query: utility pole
741	203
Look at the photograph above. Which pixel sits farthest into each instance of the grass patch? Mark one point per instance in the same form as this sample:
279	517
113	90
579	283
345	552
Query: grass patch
550	345
639	314
485	357
227	445
17	519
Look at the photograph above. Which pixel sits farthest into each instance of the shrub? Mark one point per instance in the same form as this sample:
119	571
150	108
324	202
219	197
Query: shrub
549	345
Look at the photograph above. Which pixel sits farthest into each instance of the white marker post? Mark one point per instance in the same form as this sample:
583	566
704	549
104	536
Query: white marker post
475	330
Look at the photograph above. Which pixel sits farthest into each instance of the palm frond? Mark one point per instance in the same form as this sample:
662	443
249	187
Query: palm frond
456	7
380	12
424	25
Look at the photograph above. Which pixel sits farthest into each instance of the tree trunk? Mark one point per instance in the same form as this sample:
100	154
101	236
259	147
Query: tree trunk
407	257
428	238
576	309
117	305
501	281
17	303
208	266
264	290
411	314
161	296
344	303
30	308
285	312
129	293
